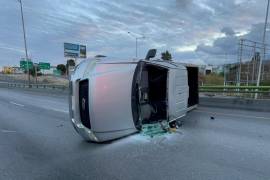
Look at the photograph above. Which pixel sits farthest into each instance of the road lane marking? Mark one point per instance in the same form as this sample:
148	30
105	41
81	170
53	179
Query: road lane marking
59	110
7	131
17	104
232	115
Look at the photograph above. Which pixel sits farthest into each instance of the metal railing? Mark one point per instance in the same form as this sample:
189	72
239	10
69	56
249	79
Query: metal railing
235	89
249	92
36	86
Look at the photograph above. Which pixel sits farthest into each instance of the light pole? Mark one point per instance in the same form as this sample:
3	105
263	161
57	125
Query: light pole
24	37
263	50
137	38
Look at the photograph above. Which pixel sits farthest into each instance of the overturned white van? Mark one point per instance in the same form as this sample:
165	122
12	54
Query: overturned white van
109	99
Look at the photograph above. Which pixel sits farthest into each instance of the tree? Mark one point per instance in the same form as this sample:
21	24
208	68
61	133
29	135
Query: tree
70	62
32	71
166	56
62	68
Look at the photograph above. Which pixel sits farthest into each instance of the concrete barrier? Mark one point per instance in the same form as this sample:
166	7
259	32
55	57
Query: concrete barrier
236	103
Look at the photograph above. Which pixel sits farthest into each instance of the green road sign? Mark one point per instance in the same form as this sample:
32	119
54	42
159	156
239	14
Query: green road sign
56	72
23	65
43	65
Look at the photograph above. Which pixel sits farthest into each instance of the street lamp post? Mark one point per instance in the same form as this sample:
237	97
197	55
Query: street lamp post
136	54
136	45
24	37
263	50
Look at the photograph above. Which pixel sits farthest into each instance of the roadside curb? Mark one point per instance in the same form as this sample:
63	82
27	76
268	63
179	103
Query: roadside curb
236	103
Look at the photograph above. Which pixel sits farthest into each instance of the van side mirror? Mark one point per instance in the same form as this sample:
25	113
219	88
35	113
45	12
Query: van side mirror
151	54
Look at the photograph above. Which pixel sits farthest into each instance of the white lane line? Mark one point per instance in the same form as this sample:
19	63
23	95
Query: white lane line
233	115
59	110
17	104
7	131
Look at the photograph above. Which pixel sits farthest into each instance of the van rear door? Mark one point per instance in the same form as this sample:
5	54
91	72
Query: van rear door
177	93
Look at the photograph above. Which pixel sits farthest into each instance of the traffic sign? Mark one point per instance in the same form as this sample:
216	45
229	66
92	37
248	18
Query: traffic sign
74	50
43	65
23	65
56	72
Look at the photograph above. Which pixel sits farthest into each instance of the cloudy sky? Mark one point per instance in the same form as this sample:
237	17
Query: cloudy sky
194	31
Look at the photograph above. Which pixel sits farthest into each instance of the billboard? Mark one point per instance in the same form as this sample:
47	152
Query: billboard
74	50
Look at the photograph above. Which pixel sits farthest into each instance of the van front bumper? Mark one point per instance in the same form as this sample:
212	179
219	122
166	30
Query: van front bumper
86	133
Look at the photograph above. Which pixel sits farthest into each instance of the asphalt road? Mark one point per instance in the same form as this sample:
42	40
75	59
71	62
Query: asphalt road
37	141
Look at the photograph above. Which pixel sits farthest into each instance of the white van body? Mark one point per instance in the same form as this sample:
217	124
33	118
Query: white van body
109	100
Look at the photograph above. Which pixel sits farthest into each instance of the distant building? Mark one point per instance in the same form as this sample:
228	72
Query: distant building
8	70
209	69
12	70
17	70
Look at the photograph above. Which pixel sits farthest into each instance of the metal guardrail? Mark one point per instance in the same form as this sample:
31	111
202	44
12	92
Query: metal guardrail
36	86
235	89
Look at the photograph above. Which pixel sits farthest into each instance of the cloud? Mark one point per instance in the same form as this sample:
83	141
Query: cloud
185	48
228	31
192	30
229	44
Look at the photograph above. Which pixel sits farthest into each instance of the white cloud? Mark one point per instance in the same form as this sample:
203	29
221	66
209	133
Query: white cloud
202	4
185	48
176	25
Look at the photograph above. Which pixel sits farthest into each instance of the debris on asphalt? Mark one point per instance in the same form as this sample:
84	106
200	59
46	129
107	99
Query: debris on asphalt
179	123
158	129
172	129
173	124
60	125
155	129
212	118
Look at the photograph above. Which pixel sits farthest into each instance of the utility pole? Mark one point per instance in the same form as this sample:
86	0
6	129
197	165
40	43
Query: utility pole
263	49
224	74
35	65
136	48
240	53
24	37
225	70
254	59
136	45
